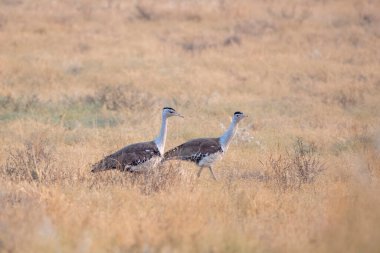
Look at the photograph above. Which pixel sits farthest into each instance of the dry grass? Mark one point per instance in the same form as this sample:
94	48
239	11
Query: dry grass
296	168
80	79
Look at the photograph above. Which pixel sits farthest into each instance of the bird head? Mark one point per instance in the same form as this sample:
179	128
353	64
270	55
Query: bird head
238	116
169	112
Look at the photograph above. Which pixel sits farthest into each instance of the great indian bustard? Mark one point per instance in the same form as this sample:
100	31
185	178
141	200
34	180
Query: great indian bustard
139	156
205	151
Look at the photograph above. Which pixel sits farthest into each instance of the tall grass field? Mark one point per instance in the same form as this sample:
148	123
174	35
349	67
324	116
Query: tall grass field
82	79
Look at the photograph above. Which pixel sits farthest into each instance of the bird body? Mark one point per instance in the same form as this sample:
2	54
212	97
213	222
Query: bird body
205	151
196	150
133	157
139	156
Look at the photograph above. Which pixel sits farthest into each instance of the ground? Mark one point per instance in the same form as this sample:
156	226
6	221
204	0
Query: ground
81	79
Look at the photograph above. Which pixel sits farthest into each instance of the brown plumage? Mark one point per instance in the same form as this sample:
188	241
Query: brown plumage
194	150
128	157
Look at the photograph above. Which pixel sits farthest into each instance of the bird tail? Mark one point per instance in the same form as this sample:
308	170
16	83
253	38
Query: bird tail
97	167
173	154
102	165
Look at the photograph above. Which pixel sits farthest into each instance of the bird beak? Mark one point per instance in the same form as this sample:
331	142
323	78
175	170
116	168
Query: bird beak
179	115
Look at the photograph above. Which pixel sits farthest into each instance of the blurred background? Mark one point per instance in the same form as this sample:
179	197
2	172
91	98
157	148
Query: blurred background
81	79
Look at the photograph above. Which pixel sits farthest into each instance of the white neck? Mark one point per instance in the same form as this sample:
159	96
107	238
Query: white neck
161	138
226	138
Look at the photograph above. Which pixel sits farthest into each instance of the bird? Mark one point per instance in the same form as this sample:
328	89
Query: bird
205	151
141	156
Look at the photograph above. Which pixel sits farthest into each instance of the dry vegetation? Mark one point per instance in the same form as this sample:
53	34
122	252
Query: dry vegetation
80	79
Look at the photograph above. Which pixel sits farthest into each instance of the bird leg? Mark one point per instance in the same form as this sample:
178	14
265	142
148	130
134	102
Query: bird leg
212	173
200	171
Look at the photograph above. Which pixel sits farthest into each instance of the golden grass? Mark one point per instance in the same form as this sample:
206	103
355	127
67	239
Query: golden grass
80	79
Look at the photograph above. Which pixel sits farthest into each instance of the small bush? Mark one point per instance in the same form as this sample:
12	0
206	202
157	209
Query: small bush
297	167
345	99
349	98
20	104
33	162
124	97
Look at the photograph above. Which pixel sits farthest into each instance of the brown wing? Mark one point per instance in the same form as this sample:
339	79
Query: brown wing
194	150
127	157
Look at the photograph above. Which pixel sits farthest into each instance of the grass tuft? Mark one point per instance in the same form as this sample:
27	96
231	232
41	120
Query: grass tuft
297	167
35	161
